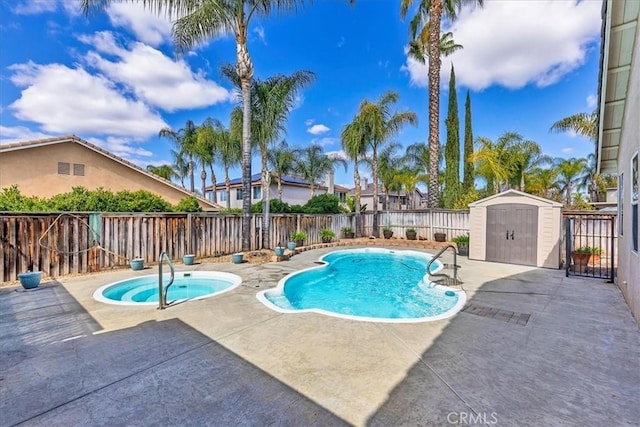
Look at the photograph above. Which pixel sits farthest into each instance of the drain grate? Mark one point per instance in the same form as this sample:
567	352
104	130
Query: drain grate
498	314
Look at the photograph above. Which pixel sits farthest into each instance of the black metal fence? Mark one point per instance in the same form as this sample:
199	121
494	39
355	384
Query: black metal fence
590	242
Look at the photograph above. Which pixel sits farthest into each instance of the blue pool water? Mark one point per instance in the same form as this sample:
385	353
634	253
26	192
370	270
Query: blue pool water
186	285
367	284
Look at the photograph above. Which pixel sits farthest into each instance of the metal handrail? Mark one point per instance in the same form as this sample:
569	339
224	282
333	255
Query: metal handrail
455	263
162	293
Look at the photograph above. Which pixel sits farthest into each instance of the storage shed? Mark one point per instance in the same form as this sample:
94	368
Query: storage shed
516	228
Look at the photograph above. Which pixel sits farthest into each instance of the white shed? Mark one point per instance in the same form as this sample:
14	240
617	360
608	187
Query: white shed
516	228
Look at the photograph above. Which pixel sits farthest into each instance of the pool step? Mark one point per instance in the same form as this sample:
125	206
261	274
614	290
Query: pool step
445	280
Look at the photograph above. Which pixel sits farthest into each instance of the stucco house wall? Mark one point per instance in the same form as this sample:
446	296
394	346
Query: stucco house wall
55	166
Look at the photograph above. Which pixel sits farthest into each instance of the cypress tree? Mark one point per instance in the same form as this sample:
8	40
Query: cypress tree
468	181
452	148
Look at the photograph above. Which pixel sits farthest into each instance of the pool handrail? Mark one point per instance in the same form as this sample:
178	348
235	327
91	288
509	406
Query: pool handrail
162	293
455	264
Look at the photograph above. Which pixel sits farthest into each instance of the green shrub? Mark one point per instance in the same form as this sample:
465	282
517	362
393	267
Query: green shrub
463	238
231	211
275	206
298	235
593	250
323	204
327	232
346	230
188	204
410	230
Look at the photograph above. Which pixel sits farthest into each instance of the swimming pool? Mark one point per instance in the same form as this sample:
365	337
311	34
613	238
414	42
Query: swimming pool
187	285
369	284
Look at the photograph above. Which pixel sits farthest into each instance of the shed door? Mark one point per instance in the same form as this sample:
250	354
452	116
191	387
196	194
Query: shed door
512	234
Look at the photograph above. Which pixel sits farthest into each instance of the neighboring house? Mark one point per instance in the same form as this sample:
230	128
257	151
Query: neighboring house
397	200
295	190
46	167
619	133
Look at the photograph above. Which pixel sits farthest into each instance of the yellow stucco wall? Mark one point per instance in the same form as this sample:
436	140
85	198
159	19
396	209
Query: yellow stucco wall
35	171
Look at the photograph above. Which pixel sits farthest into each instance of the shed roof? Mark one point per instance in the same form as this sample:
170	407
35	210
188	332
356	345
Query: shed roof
515	193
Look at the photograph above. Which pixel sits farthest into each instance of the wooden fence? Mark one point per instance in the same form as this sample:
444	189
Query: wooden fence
61	244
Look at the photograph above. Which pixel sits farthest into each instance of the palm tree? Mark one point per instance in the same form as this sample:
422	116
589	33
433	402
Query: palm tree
496	161
526	155
200	20
353	140
272	101
569	175
313	164
163	171
230	149
430	12
389	164
584	124
185	141
207	140
281	162
180	165
379	124
542	181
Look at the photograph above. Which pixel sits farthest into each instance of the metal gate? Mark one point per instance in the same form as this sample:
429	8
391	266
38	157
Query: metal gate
590	245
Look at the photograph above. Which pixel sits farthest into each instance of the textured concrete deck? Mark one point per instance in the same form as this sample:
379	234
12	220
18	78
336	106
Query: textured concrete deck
532	348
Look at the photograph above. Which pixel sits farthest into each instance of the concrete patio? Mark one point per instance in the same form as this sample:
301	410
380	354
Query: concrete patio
532	348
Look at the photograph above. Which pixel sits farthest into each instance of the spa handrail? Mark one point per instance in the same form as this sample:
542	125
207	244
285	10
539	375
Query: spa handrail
455	263
162	293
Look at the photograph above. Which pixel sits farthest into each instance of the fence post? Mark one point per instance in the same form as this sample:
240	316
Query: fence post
189	233
568	244
613	220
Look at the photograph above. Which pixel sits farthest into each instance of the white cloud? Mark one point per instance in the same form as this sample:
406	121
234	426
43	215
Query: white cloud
324	142
592	100
152	76
567	150
337	154
34	7
19	133
342	41
318	129
309	122
259	31
66	100
150	28
515	43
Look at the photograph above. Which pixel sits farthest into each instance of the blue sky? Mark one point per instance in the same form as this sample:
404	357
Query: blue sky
114	79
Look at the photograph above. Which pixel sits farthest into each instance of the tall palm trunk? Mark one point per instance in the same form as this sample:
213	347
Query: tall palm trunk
192	181
358	193
244	67
280	187
227	185
266	183
374	166
214	198
435	16
203	178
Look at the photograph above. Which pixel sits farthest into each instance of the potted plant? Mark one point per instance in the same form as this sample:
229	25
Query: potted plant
299	237
585	255
411	233
136	263
387	232
279	250
326	234
188	259
440	237
462	242
348	232
30	279
237	258
291	245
